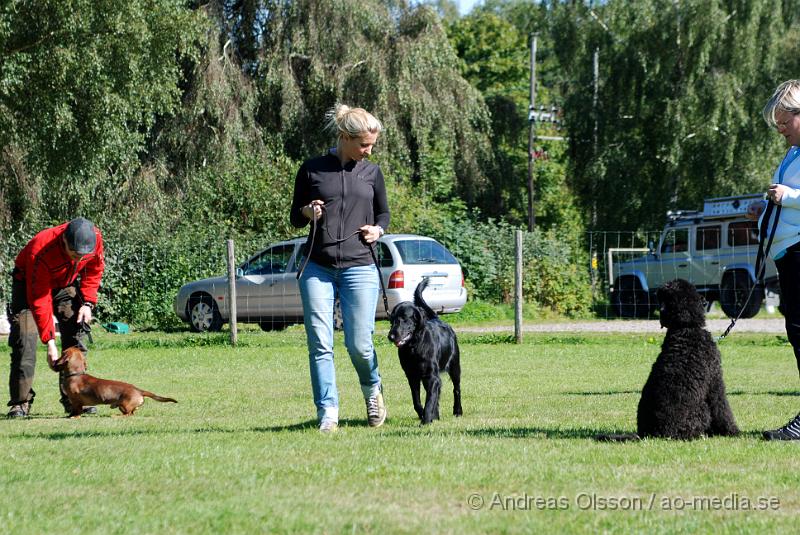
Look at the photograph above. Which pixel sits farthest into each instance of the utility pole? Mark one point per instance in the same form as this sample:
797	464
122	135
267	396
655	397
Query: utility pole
531	135
595	133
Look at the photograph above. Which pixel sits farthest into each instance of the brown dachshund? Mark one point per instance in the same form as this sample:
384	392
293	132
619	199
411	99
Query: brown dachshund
84	390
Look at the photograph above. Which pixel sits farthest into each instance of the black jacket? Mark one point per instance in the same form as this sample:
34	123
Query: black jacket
354	196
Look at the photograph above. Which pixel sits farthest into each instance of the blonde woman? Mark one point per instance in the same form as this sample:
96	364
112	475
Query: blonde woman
782	112
343	197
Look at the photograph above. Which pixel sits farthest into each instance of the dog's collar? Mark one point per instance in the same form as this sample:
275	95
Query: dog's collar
73	374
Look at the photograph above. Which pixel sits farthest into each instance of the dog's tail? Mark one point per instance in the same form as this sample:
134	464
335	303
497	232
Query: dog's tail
622	437
150	395
420	302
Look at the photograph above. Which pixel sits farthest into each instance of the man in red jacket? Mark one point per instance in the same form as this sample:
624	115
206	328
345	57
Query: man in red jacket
57	272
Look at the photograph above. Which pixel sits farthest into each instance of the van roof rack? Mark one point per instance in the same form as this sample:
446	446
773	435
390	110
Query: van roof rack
676	215
720	207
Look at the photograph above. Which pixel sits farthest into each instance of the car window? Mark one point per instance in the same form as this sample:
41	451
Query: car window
676	241
709	238
384	255
424	252
743	233
272	261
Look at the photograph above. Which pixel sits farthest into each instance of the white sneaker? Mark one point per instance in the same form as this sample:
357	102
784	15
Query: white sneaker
328	426
376	410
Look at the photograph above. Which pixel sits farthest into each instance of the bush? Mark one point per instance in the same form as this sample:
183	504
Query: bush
552	260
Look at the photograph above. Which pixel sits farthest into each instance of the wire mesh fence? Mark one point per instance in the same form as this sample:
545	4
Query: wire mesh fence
607	274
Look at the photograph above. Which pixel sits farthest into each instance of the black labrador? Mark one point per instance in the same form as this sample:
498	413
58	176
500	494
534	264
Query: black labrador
426	346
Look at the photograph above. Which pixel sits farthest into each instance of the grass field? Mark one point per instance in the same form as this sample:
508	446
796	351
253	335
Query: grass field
240	453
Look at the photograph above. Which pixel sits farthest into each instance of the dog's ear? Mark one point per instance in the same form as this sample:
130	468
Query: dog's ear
61	362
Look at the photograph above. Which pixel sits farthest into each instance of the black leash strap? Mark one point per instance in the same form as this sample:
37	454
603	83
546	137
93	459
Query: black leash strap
380	277
761	259
88	330
310	245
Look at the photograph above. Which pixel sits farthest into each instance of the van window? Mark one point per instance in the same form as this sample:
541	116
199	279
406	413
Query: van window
743	233
676	241
709	238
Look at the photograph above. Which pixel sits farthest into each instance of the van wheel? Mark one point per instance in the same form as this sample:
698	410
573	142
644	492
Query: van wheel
629	300
733	296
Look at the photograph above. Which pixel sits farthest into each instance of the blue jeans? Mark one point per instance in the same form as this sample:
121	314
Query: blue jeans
357	289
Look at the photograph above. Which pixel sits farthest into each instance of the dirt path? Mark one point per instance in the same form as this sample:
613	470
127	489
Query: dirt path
715	326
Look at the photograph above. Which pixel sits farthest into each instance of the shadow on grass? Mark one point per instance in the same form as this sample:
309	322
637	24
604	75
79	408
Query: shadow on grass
768	393
605	393
534	432
730	393
309	425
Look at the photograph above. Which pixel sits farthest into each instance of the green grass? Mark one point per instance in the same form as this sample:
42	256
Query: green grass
240	453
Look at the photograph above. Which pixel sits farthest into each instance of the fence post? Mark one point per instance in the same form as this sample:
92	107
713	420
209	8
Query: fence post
518	287
232	293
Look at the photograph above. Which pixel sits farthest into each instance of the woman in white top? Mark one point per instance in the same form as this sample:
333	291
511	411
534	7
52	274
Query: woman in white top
783	113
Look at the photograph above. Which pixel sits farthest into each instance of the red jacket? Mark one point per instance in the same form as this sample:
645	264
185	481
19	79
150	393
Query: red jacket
45	266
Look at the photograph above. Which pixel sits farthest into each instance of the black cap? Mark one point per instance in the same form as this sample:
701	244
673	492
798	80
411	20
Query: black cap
80	236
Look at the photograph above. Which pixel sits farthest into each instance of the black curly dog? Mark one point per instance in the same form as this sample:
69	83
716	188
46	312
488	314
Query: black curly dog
426	346
684	396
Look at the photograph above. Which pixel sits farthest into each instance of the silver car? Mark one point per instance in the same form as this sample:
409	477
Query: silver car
267	292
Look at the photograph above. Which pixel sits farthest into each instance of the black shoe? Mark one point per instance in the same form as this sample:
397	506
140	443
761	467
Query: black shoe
790	431
19	411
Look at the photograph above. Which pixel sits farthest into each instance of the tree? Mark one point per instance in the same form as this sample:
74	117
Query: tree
81	85
395	62
682	85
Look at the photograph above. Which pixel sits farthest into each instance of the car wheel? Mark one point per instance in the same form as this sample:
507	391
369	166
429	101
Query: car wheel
629	300
272	325
733	294
204	314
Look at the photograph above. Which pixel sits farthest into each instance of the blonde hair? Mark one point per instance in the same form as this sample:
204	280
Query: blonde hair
786	98
352	122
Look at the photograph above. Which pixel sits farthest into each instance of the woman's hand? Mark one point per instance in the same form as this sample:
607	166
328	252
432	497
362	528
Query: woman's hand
775	193
52	353
313	210
370	233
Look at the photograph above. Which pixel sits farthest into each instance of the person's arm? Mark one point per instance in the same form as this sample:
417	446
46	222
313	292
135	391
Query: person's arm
380	203
301	199
40	300
380	211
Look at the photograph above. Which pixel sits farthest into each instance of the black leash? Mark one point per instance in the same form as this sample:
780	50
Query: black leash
370	246
86	328
380	277
761	259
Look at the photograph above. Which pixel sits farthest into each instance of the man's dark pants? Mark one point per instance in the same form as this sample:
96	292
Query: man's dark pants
24	337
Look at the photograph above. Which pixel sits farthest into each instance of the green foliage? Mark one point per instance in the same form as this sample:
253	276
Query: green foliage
493	45
396	63
681	87
81	84
553	260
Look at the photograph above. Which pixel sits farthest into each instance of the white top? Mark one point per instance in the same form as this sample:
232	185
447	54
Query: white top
788	231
